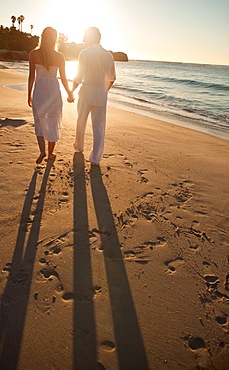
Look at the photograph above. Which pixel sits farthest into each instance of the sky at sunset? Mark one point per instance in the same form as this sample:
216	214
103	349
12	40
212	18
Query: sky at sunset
194	31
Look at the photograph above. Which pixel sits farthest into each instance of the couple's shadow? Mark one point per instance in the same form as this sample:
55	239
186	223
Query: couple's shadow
129	344
14	301
15	298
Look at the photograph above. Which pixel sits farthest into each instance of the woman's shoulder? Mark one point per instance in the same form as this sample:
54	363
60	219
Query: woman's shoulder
34	53
59	56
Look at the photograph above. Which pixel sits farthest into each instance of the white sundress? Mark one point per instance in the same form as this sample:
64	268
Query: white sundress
47	103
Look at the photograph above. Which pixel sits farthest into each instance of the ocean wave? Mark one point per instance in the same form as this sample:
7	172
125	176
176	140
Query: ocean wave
197	83
180	107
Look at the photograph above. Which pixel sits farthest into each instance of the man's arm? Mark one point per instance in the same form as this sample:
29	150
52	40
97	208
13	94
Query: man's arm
74	86
80	73
112	74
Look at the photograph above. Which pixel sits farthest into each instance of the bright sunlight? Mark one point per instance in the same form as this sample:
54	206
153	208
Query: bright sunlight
72	17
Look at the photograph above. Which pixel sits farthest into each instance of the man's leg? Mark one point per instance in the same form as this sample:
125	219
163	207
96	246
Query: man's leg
83	112
98	119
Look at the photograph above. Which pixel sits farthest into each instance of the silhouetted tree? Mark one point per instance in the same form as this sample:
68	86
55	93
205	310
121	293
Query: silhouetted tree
20	21
31	27
13	19
62	38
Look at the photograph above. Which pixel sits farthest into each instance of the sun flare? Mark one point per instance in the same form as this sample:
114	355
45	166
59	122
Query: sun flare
72	17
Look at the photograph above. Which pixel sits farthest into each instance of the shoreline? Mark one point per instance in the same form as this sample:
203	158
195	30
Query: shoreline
170	118
220	134
122	266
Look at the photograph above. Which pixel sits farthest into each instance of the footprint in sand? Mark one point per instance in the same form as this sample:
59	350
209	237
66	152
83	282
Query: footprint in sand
97	290
196	343
43	261
206	263
59	288
222	320
52	177
17	145
212	281
118	155
55	250
160	242
127	163
64	197
107	346
49	285
142	172
47	273
182	193
93	239
198	346
194	247
168	214
68	296
137	254
7	267
143	179
173	264
44	301
55	245
195	223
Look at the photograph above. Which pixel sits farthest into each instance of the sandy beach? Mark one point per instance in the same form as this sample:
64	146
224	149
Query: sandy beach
119	267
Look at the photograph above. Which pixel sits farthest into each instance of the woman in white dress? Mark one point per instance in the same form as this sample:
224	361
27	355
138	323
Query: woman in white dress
44	95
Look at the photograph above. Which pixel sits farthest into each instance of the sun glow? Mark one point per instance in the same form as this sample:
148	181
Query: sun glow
72	17
71	69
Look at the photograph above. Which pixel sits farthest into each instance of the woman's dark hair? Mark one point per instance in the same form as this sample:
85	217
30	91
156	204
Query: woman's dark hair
47	45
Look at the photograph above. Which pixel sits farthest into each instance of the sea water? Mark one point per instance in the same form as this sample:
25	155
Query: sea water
190	95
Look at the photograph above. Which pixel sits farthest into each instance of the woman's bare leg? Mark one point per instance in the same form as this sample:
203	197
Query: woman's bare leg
51	146
41	143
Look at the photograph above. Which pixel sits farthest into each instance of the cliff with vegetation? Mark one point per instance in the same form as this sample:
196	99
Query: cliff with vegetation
71	51
16	45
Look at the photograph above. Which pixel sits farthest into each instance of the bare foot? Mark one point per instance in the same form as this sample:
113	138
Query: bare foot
40	158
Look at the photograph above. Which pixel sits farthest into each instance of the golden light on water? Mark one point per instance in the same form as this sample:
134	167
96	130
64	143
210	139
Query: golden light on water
71	70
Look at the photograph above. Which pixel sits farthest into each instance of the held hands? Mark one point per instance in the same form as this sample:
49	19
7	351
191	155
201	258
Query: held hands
71	98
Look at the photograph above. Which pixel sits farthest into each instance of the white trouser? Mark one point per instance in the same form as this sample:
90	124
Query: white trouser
98	119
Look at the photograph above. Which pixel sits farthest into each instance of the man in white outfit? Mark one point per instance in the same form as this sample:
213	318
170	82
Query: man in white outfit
96	73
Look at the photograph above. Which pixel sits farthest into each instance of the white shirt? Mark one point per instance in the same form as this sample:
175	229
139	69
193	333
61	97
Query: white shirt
95	69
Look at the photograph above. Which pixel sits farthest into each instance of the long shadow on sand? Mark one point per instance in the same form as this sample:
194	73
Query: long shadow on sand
129	344
14	301
12	122
85	356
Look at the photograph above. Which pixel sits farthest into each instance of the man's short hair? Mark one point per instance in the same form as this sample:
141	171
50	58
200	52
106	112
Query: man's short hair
92	35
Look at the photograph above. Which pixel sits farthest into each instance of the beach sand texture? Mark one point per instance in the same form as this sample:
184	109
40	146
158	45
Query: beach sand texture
123	266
